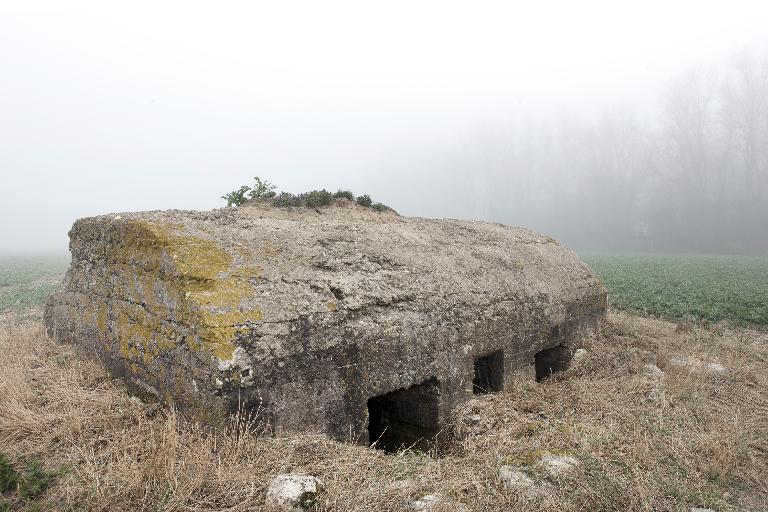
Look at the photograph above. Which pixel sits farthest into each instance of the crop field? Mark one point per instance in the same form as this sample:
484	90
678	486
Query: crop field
25	280
712	288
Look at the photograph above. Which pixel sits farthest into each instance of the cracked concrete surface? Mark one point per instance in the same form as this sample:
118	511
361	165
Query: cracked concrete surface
300	316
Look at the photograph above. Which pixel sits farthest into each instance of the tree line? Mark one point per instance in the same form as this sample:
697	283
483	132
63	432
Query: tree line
691	178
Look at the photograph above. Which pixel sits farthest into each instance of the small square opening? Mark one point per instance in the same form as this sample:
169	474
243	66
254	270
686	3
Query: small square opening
405	418
551	361
489	374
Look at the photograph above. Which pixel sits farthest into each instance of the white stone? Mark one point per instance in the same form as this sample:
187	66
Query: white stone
514	478
715	367
652	372
656	395
697	509
653	375
557	465
579	356
474	419
292	493
430	501
426	503
697	365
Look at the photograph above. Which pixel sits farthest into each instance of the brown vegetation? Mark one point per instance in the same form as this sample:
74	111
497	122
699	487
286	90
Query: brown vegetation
697	437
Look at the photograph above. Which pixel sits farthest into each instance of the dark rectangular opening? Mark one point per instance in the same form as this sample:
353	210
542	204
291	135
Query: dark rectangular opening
489	374
405	418
552	360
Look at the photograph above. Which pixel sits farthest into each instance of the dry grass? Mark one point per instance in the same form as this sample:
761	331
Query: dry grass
702	441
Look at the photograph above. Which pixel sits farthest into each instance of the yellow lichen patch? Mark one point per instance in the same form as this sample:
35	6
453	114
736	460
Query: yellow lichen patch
247	272
243	252
127	351
332	306
192	257
89	316
166	278
193	345
156	247
132	333
217	331
101	320
270	251
224	293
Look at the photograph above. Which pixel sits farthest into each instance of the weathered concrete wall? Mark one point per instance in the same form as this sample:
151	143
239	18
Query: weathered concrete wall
303	316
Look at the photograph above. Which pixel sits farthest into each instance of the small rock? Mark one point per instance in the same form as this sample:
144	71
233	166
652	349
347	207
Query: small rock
514	478
654	376
426	503
652	372
401	485
557	465
431	501
655	395
715	367
579	356
477	419
697	365
474	419
292	493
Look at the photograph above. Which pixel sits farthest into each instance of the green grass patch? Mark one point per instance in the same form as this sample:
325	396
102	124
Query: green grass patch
30	484
712	288
25	281
35	480
9	478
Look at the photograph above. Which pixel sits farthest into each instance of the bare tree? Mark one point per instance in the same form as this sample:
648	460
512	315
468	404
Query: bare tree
745	115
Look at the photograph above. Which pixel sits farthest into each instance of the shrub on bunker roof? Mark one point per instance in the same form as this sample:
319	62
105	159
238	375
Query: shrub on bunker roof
345	194
317	198
236	197
364	200
287	199
262	189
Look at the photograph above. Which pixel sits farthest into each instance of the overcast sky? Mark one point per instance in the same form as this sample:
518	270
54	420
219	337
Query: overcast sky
115	106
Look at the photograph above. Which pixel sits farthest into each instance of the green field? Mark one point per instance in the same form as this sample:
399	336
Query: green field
708	287
25	280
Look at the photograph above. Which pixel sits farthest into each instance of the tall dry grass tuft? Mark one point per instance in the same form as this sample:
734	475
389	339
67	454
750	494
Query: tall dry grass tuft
695	437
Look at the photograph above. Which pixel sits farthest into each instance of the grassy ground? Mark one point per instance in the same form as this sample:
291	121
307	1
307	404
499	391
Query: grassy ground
692	437
26	280
708	287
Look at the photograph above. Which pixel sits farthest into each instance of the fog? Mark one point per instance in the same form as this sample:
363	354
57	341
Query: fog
609	125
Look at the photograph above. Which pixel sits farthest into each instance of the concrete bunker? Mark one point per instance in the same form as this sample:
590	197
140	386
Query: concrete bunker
340	319
405	418
489	373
